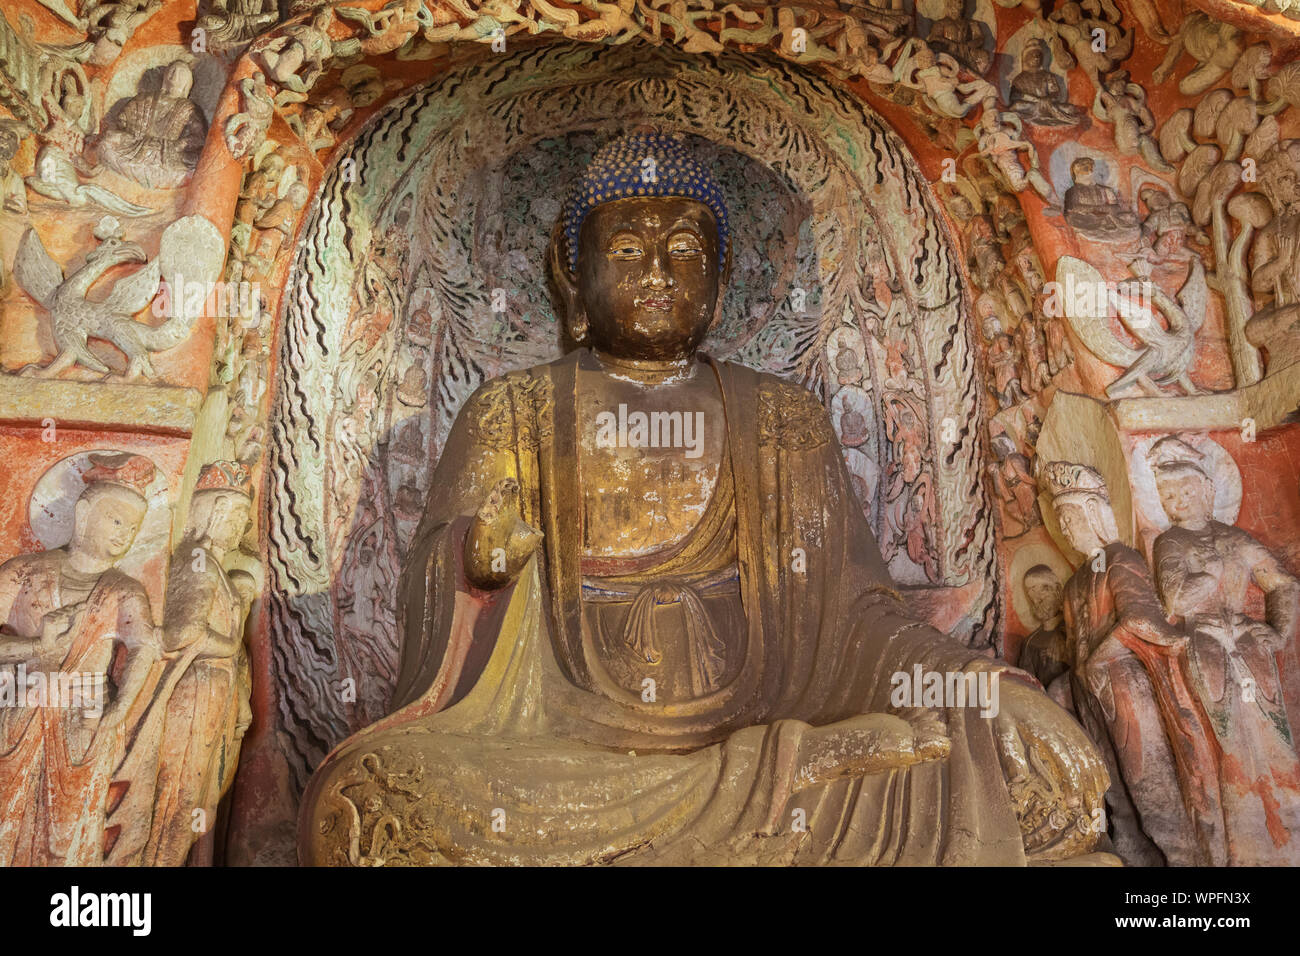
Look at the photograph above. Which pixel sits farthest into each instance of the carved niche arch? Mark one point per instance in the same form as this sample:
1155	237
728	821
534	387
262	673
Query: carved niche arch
390	296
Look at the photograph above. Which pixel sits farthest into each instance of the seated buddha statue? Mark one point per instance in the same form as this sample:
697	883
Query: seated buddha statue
646	622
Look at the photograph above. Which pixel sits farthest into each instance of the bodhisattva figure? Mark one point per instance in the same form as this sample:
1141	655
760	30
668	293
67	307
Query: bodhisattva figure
1131	690
205	689
646	620
157	137
70	613
1038	94
1203	570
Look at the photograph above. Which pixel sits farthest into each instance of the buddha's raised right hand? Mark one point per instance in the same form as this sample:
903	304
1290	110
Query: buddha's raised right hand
499	542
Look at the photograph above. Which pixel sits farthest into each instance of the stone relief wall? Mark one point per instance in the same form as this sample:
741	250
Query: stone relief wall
1113	264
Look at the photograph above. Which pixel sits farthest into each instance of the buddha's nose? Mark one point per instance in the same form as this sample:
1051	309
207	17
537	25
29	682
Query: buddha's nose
656	277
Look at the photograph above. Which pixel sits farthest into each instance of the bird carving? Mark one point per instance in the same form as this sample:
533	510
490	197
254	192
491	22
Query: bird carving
77	318
1164	355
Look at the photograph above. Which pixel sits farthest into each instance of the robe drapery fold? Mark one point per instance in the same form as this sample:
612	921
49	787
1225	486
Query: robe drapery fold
515	744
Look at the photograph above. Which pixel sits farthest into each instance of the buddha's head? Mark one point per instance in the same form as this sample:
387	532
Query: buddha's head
1034	56
177	80
644	252
1083	171
108	514
1186	491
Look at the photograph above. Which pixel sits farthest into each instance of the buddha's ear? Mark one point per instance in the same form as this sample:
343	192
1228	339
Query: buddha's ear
565	282
725	276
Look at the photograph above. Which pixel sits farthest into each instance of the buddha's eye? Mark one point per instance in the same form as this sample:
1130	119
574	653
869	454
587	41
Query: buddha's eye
624	247
685	245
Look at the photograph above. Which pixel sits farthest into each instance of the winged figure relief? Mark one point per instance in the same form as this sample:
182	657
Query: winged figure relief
190	256
56	179
1163	357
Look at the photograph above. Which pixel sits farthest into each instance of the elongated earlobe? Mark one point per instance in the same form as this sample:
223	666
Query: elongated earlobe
566	284
579	327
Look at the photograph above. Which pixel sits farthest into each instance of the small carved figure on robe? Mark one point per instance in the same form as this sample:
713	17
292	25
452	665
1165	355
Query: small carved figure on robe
985	251
312	127
1000	142
1038	94
13	198
1275	260
1035	373
281	218
111	23
1002	359
1203	570
1094	210
390	27
70	611
1014	486
1131	690
938	78
960	37
1060	353
71	112
261	188
246	129
1168	224
414	391
561	703
1045	652
1078	40
295	58
232	23
204	691
1124	104
157	137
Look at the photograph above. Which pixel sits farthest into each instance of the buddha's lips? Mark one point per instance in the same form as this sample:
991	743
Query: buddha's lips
656	303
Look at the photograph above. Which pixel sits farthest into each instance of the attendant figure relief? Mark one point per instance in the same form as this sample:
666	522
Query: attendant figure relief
1131	689
69	613
1203	570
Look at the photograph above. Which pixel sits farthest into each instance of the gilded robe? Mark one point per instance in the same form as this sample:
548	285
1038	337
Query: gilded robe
521	741
54	783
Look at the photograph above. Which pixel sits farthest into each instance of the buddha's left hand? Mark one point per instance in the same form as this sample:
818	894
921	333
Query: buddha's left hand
1054	773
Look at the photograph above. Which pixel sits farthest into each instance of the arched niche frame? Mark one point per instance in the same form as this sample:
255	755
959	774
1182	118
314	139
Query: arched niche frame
390	298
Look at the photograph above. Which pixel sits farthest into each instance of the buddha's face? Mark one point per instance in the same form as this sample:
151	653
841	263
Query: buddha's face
107	519
1188	498
177	81
648	276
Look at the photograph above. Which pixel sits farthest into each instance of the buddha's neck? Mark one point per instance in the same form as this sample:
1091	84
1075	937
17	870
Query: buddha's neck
647	371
